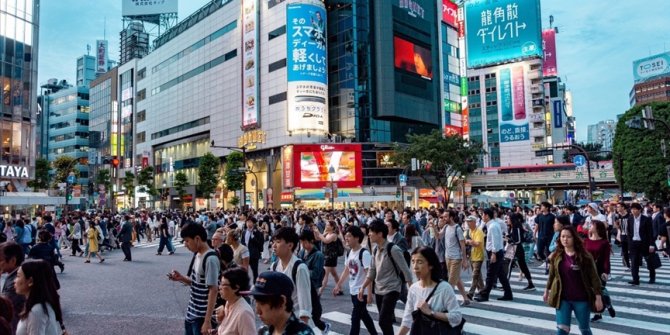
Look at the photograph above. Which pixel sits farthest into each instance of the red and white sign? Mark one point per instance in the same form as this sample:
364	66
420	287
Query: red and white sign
286	197
450	130
550	63
287	166
315	165
450	13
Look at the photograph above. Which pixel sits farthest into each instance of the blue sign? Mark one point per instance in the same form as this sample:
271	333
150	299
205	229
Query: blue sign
558	114
513	133
71	179
502	30
652	66
403	178
506	109
306	43
579	160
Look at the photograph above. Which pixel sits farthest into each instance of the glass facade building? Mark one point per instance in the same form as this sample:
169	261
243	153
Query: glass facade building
19	20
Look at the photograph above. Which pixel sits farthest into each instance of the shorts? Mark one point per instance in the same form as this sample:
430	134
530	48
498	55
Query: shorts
454	270
330	261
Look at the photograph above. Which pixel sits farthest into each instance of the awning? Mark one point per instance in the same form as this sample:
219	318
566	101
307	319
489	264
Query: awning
367	198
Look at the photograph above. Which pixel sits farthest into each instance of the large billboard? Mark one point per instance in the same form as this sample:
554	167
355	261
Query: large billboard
501	31
549	63
315	165
651	66
512	106
450	13
147	7
250	87
101	56
307	96
412	57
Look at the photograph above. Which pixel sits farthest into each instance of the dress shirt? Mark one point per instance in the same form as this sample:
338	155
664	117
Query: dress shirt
636	229
494	241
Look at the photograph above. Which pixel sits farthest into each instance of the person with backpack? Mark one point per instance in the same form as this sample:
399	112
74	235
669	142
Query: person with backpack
314	259
284	242
358	263
455	255
332	249
387	270
516	238
203	278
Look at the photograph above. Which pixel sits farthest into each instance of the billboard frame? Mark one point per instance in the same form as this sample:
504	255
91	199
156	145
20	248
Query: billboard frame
330	147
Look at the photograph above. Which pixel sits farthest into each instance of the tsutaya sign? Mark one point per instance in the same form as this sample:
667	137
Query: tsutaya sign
11	171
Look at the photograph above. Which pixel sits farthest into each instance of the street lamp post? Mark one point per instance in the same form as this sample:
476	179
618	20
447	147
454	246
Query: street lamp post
166	195
331	172
243	150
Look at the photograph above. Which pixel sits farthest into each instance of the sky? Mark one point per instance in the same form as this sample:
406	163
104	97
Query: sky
597	42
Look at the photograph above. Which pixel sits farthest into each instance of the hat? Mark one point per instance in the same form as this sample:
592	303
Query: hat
471	218
271	283
593	205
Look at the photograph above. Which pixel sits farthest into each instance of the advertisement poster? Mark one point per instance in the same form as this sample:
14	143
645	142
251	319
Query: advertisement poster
412	58
502	31
100	56
145	7
250	30
558	114
316	165
652	66
287	167
450	13
306	68
549	64
512	107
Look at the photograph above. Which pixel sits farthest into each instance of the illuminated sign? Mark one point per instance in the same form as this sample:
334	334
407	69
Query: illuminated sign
251	137
287	197
307	96
250	87
385	159
512	107
12	171
413	8
316	165
502	31
450	13
412	58
287	166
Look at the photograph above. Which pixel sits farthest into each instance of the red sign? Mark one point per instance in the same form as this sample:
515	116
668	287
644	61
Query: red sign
315	165
145	162
519	93
549	65
287	197
287	166
450	130
465	116
461	23
450	13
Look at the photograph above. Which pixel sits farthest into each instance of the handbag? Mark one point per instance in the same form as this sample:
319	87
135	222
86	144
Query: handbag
423	324
653	261
510	251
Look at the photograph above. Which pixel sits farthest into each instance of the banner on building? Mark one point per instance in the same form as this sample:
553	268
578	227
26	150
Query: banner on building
549	64
250	87
148	7
512	107
558	114
652	66
450	13
307	96
101	55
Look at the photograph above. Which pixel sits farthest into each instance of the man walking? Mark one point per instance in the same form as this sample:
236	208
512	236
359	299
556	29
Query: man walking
126	236
455	253
495	271
253	240
544	226
640	242
476	242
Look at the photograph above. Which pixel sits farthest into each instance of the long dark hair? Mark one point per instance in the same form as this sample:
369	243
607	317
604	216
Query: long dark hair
577	244
43	290
429	254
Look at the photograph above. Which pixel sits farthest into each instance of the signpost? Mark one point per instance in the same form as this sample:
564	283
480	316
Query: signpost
579	160
403	182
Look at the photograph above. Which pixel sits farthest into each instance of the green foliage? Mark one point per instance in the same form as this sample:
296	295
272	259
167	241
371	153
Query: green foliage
443	159
41	180
129	184
644	167
63	165
146	178
180	183
234	201
208	174
232	176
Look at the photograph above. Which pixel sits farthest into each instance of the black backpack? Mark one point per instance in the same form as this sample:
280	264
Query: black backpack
360	254
204	261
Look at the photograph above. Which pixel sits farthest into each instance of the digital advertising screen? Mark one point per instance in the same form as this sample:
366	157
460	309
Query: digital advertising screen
412	58
316	165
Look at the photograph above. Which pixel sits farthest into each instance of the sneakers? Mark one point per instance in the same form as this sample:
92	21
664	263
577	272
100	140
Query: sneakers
326	329
596	318
481	298
611	310
529	288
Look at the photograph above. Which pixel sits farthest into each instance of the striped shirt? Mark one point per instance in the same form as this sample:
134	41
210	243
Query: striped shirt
200	284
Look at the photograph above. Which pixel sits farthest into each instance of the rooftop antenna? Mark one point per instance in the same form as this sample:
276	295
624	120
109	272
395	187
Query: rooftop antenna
104	29
88	49
551	21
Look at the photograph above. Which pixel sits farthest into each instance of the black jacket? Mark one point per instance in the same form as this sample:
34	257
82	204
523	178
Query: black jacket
657	224
255	243
646	232
126	233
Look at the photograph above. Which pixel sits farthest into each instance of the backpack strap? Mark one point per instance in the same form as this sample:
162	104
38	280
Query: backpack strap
190	267
360	255
433	291
204	261
294	271
389	246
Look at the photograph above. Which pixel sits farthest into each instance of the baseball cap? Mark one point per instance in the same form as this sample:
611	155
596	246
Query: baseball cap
471	218
271	283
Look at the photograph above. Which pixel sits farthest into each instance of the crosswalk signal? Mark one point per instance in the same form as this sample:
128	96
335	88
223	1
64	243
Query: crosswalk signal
115	162
397	194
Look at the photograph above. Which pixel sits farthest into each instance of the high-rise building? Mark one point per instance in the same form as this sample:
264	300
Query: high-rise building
19	22
602	133
86	70
651	80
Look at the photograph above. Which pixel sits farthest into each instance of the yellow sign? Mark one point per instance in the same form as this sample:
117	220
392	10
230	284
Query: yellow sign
251	137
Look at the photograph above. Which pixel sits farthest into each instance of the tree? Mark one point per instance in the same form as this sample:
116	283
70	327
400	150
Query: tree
208	175
41	180
234	201
232	176
129	184
63	165
180	183
145	178
644	167
104	178
592	149
442	159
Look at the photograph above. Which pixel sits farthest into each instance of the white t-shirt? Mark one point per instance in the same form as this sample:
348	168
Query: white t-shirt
443	300
599	217
39	322
356	276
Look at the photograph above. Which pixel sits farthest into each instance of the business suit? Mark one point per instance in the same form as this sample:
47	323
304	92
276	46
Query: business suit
125	236
253	240
657	223
576	220
640	239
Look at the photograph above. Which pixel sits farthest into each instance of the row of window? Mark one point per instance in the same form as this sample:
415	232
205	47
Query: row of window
190	74
69	136
195	46
61	125
182	127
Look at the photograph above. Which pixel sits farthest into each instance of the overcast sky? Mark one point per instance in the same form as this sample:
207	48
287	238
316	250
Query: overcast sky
596	44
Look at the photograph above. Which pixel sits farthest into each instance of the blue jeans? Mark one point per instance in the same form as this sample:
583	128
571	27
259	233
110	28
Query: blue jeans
193	327
582	312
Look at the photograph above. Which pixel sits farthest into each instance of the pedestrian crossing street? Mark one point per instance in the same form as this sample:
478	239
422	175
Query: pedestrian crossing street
154	244
643	309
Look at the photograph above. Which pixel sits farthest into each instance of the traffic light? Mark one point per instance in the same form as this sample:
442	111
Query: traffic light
115	161
397	193
68	192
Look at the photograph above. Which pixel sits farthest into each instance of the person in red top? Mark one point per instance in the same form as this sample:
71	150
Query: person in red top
599	247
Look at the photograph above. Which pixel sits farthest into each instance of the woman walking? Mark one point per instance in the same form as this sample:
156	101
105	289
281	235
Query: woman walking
598	245
516	239
236	317
93	235
42	311
329	238
573	284
75	236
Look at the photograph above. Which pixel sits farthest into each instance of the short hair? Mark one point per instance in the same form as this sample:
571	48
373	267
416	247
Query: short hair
252	219
357	233
395	224
288	235
44	235
307	235
563	219
600	228
636	205
307	218
489	212
275	301
378	226
47	218
225	253
234	234
238	278
193	230
12	249
546	204
624	205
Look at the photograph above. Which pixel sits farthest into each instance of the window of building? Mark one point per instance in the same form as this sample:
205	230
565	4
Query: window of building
182	127
277	65
141	95
277	98
140	138
276	33
141	116
142	73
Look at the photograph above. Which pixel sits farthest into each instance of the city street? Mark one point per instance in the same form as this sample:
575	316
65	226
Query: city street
137	298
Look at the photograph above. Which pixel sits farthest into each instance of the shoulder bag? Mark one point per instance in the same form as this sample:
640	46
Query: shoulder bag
423	324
